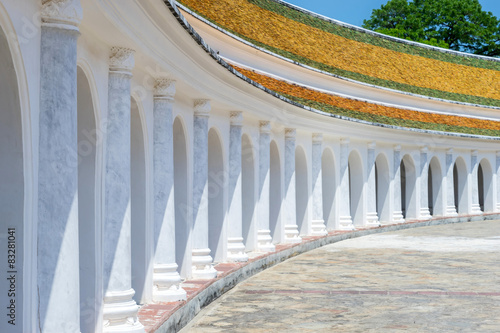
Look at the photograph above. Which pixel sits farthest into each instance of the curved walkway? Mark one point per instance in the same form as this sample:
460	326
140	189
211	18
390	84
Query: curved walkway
432	279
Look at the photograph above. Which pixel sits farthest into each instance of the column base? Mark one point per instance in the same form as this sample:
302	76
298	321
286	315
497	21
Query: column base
372	220
398	217
476	209
318	228
425	213
498	207
292	234
346	223
120	312
236	250
451	211
264	241
166	284
202	262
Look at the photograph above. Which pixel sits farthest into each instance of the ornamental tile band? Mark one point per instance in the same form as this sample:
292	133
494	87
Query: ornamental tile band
351	58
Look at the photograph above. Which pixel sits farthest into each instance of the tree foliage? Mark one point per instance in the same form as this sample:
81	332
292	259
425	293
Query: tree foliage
460	25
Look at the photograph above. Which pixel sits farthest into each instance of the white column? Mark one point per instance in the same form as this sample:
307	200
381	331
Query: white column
289	202
371	188
450	188
120	310
235	246
201	259
397	215
318	223
498	180
58	252
345	200
264	239
474	165
166	279
424	177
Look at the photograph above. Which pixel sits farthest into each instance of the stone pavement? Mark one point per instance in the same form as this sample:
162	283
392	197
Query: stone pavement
432	279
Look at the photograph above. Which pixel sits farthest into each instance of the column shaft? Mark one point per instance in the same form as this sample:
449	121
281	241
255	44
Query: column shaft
166	279
345	199
397	215
318	223
371	197
235	246
58	250
120	310
289	203
201	259
450	187
474	166
498	180
424	186
264	239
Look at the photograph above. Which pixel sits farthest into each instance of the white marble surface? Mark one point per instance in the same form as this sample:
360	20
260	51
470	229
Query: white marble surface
318	223
424	186
450	188
396	186
236	248
289	202
58	251
474	166
166	279
345	200
371	194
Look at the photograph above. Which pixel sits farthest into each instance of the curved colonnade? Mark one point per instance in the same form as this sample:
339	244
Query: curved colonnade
133	159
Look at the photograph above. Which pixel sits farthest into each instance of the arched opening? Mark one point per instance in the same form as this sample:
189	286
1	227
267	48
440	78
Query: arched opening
356	181
275	198
382	185
485	186
11	182
460	186
329	188
301	190
140	264
408	193
434	188
216	184
89	243
182	229
248	193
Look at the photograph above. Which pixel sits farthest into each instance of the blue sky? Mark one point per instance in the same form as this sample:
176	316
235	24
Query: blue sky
355	11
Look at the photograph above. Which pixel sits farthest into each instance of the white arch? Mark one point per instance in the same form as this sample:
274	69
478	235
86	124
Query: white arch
435	188
408	187
181	199
382	184
301	190
485	186
248	194
329	187
217	180
356	185
27	318
139	202
275	195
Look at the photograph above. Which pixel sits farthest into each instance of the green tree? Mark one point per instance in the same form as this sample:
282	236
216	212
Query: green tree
460	25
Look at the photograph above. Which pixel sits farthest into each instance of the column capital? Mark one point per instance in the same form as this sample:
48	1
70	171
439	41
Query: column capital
290	133
64	14
372	145
265	126
344	141
317	137
121	59
397	148
473	152
424	149
449	151
498	153
202	107
164	89
236	118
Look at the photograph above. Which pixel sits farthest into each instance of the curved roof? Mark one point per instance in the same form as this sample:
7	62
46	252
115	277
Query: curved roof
356	53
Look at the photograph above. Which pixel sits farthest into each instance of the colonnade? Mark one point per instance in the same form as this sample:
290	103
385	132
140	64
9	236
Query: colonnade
126	210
